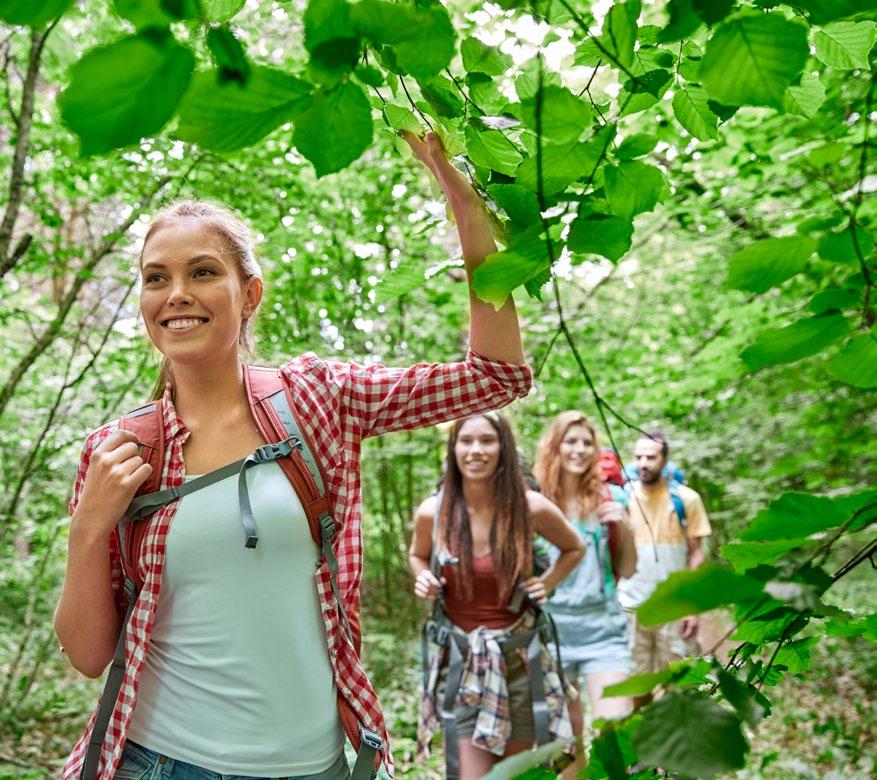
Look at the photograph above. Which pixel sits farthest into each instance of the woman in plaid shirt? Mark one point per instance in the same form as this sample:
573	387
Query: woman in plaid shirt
218	691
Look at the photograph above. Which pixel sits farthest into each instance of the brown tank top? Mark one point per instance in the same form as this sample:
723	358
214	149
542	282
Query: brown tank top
484	608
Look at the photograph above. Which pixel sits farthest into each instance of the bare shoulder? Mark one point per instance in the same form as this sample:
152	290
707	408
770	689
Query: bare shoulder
426	510
539	503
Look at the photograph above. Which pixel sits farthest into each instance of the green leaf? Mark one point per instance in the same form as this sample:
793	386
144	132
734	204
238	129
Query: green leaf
636	146
564	163
712	11
221	10
856	363
31	13
608	755
633	187
747	555
564	116
619	32
805	98
689	733
845	45
768	262
849	628
835	298
828	154
478	57
143	13
741	697
691	109
515	766
369	75
794	516
601	234
520	204
407	276
401	118
822	11
795	656
682	23
228	54
841	248
336	129
224	117
124	91
443	96
767	627
493	150
796	341
766	53
432	50
502	272
330	36
690	592
387	23
640	684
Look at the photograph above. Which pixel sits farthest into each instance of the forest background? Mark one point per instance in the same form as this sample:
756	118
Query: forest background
684	189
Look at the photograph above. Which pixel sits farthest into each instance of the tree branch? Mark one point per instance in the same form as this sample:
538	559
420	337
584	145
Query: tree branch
22	149
51	332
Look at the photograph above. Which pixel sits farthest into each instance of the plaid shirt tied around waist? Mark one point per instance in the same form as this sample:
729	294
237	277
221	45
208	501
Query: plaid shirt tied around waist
483	686
339	404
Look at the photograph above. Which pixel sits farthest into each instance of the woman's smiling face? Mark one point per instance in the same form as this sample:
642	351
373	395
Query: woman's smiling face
477	449
194	297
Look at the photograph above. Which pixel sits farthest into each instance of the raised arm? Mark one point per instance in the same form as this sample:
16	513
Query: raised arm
549	522
492	334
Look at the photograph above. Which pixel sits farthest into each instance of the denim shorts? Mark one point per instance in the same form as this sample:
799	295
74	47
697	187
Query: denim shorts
140	763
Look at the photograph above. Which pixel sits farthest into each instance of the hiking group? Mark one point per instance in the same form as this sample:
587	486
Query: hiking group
215	555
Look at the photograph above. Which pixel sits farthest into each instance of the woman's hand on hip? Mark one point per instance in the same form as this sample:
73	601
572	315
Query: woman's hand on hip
114	474
535	589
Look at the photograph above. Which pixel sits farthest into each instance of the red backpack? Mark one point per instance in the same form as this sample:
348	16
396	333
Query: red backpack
272	408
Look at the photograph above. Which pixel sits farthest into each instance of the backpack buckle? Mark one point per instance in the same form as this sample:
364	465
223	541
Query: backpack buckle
371	739
271	452
442	632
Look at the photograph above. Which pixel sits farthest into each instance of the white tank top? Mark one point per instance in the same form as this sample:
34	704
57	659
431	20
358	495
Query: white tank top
237	677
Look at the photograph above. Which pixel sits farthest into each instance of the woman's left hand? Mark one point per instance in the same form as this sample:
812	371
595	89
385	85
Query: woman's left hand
535	589
610	512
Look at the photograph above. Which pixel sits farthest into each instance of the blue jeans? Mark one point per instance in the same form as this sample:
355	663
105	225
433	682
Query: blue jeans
140	763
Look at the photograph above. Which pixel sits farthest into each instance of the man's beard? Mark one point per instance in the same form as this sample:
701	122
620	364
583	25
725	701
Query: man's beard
650	477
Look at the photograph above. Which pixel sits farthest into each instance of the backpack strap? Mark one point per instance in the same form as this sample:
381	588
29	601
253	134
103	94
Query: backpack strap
147	424
273	410
678	503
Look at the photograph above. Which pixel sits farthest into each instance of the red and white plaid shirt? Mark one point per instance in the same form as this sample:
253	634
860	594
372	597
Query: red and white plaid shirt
339	404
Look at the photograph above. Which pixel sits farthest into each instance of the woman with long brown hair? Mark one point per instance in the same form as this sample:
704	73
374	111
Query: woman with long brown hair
473	548
585	608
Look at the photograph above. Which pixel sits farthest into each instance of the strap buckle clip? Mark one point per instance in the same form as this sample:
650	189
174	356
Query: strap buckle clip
271	452
371	739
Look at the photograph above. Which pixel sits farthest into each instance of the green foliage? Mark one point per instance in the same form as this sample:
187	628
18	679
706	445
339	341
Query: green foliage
766	53
123	91
691	592
799	340
767	263
691	734
223	116
32	14
331	132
